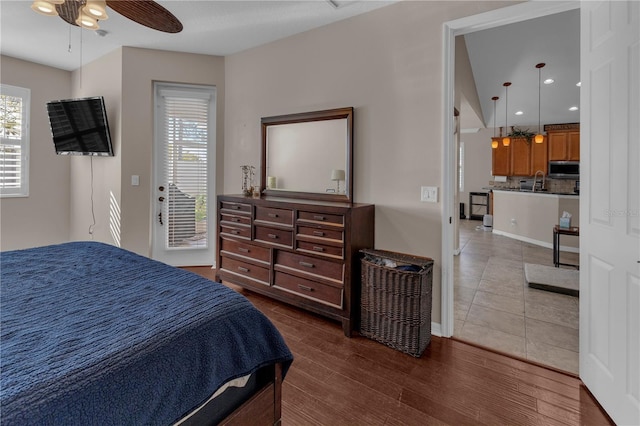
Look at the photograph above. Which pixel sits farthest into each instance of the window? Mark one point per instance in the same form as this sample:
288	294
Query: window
14	141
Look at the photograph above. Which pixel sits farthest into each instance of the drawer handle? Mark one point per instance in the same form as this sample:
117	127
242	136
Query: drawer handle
243	250
235	207
235	231
318	217
272	214
306	264
235	219
305	287
318	233
243	269
316	248
272	236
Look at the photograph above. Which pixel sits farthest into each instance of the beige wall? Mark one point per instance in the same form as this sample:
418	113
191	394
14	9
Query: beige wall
42	217
125	77
531	217
141	67
388	65
477	164
102	77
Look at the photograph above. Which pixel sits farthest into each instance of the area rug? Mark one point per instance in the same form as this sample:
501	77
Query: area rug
565	281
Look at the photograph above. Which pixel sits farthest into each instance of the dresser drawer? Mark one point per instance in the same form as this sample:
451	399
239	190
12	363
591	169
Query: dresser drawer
278	237
320	249
239	248
237	207
274	215
314	217
317	234
238	267
312	266
234	219
235	231
309	289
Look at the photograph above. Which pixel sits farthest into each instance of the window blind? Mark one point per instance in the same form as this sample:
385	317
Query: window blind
186	135
14	140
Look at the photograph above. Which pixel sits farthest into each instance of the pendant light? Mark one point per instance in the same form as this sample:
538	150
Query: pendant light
539	138
494	142
506	141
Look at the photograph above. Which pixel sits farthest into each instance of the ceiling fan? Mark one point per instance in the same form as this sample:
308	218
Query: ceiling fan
87	13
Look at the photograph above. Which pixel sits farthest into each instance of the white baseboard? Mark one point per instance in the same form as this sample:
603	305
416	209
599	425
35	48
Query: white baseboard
536	242
436	329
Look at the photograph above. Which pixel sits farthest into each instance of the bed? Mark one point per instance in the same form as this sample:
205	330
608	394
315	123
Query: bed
94	334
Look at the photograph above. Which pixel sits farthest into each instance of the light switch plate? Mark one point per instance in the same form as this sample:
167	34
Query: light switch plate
429	194
135	180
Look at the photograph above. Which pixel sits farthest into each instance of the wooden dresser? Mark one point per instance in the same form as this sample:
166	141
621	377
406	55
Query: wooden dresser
301	252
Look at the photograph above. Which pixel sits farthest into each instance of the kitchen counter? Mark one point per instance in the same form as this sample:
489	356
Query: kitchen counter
530	216
536	193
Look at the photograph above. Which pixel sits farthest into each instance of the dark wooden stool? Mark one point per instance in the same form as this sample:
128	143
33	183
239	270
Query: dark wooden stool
557	231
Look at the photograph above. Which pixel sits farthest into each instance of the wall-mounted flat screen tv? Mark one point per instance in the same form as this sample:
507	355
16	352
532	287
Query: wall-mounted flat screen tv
80	127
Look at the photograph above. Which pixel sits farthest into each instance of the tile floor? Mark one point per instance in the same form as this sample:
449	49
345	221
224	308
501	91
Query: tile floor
494	306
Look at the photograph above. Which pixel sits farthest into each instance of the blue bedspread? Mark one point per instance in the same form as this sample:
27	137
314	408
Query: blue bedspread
93	334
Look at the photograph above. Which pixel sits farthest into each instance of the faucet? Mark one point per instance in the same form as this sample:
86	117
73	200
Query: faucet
535	177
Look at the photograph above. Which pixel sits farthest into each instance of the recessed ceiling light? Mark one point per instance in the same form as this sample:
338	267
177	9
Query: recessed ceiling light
549	81
579	84
519	112
573	108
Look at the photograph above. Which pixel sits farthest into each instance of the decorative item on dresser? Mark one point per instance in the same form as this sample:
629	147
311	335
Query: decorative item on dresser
300	252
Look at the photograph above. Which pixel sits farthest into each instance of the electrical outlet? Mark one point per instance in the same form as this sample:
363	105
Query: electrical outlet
429	194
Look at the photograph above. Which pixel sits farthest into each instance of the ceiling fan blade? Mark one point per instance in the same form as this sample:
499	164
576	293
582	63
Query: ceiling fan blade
147	13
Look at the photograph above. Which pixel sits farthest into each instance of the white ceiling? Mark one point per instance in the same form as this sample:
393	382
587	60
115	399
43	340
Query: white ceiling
510	53
210	27
507	53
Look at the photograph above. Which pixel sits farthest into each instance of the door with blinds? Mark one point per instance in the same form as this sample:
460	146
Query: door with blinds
184	178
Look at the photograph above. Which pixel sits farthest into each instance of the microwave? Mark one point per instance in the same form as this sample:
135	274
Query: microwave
564	170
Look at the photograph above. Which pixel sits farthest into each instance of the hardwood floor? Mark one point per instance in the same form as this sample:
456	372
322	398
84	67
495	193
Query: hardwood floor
335	380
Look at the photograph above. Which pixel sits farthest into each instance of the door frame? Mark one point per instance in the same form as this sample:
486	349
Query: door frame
495	18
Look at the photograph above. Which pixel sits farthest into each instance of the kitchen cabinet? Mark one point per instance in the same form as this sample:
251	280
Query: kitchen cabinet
564	141
539	157
501	159
521	157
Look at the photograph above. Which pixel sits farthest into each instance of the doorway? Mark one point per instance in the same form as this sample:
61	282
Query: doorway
184	184
461	27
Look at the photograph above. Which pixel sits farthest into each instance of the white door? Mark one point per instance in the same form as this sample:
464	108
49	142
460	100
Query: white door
610	207
184	178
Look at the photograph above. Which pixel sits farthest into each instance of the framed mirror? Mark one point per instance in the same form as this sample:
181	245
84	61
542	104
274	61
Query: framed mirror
308	155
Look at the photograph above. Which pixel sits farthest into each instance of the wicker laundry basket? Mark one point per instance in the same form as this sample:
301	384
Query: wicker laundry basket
395	304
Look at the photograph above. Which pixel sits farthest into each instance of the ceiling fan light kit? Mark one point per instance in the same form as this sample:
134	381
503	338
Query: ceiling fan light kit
44	7
96	9
87	13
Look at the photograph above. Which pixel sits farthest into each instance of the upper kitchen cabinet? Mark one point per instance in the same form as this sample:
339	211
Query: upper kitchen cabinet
564	141
521	157
501	159
540	157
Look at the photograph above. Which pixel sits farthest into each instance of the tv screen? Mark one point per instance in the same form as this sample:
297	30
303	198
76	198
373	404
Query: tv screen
80	127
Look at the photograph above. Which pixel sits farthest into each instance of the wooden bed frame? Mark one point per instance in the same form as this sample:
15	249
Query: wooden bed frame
263	408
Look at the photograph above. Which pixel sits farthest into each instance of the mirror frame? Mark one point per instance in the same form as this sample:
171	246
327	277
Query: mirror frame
331	114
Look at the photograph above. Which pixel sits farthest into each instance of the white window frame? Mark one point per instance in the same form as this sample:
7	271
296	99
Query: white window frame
24	142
